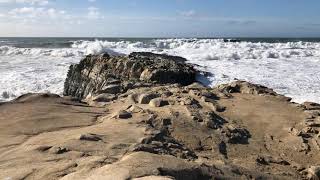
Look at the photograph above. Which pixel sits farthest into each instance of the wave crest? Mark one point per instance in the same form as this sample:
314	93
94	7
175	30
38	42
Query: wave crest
201	49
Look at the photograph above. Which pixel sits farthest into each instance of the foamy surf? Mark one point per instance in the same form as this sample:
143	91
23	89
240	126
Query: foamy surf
290	68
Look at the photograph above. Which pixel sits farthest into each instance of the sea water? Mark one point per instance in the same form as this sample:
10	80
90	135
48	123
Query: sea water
290	66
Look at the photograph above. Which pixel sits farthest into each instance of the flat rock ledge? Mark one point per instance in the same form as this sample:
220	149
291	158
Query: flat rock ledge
125	119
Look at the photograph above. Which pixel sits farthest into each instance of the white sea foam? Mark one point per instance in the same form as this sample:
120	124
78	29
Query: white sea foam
22	74
290	68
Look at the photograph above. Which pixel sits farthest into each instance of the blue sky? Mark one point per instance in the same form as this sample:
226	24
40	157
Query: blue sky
160	18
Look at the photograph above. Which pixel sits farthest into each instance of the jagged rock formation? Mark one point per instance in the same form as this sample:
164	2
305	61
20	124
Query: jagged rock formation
157	130
115	74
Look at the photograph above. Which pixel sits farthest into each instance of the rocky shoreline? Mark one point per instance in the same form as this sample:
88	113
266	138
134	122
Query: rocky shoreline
144	116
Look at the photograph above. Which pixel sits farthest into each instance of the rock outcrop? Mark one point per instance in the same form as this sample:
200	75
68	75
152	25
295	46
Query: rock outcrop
114	74
143	127
245	88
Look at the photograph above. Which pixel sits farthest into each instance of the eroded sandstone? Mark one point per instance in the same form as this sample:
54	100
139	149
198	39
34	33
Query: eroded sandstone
129	120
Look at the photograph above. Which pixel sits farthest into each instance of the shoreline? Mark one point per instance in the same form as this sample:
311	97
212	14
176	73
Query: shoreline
203	81
289	68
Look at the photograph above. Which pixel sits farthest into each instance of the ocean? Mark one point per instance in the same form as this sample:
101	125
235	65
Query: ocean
291	66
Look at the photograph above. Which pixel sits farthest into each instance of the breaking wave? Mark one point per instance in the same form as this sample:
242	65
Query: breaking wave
203	49
291	68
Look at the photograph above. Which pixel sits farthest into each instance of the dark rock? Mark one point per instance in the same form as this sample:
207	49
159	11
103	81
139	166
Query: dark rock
43	148
311	106
237	135
266	160
124	115
166	122
105	55
90	137
111	89
312	124
58	150
113	81
223	149
210	95
145	147
167	94
213	121
91	75
262	160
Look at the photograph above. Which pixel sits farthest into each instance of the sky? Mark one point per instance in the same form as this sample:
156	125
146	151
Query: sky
160	18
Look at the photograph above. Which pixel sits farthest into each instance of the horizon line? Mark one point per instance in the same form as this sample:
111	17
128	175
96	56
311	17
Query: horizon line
169	37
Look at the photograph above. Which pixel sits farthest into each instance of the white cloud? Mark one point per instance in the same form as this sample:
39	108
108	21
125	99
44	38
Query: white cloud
94	13
49	18
53	13
92	0
32	2
38	14
34	12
